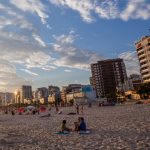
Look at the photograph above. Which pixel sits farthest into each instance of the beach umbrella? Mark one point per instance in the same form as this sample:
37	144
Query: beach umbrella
21	110
42	108
30	107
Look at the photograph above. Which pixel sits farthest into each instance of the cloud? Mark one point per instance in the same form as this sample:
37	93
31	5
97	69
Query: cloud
138	9
9	80
10	17
32	6
107	9
71	56
6	67
66	70
131	61
39	40
38	60
29	72
84	7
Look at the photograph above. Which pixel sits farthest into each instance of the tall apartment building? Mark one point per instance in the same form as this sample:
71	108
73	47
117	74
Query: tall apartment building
107	75
26	93
143	52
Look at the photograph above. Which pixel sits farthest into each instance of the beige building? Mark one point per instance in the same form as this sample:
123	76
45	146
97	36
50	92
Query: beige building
143	52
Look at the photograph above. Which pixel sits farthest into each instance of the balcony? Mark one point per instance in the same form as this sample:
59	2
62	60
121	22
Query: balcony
144	70
142	60
146	75
143	65
140	49
141	55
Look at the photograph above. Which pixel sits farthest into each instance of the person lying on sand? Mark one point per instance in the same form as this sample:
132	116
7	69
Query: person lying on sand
47	115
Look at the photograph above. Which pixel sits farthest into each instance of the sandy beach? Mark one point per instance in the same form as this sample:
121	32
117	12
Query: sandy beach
125	127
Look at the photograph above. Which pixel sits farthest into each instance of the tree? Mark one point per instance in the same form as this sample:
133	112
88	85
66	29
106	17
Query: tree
144	90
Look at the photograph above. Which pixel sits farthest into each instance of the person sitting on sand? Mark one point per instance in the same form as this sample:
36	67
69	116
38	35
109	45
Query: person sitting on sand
64	127
76	126
12	112
82	125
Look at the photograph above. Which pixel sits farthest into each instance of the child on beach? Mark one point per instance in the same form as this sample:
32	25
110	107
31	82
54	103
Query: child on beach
64	127
76	126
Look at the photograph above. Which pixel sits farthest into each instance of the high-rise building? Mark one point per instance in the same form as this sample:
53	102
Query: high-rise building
107	75
26	93
143	52
41	94
54	94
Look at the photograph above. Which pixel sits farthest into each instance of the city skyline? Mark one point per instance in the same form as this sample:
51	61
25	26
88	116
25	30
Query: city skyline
53	42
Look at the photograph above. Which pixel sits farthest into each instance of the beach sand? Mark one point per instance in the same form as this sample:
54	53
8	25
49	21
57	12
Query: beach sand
123	127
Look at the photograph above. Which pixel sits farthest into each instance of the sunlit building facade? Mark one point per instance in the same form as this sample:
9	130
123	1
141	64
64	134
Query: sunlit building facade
143	52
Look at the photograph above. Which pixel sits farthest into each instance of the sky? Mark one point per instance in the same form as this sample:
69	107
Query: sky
53	42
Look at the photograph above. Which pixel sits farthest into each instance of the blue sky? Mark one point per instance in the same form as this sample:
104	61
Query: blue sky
53	42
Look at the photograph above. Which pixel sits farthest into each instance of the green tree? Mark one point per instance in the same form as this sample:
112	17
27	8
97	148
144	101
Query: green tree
144	90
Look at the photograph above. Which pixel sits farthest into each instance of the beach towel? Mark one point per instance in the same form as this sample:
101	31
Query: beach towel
63	133
85	132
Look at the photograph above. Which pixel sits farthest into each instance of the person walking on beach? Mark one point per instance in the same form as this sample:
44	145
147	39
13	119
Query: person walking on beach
82	109
12	112
77	108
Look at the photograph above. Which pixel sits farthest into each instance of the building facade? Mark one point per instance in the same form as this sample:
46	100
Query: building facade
54	94
6	98
135	81
68	90
143	52
25	93
107	75
41	95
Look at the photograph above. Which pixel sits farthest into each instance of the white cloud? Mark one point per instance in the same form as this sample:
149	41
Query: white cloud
131	61
84	7
70	56
5	66
32	6
10	16
38	60
29	72
136	9
9	80
107	9
39	40
66	70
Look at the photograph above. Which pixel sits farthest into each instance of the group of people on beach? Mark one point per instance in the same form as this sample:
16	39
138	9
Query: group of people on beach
80	125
